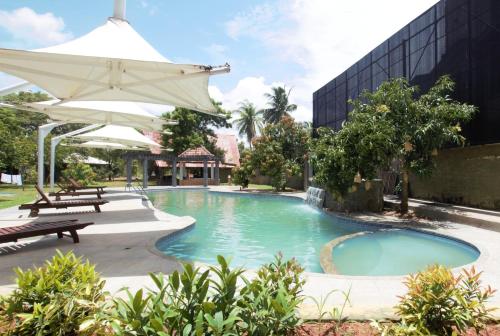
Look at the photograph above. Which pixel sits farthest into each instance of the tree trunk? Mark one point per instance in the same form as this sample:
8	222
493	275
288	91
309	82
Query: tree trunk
404	191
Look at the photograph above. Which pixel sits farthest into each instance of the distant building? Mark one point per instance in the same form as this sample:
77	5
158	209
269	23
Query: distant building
456	37
191	173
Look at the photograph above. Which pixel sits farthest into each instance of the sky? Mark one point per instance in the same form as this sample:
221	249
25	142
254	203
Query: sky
302	44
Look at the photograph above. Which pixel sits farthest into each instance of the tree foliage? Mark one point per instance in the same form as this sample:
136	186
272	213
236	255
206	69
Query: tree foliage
391	123
280	151
279	106
195	129
249	121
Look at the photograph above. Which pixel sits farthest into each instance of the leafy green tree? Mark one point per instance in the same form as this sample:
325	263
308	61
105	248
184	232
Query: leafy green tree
392	123
279	105
280	151
195	129
249	121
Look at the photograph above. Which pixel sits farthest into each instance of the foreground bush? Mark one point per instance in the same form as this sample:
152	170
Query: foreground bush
53	299
218	301
438	303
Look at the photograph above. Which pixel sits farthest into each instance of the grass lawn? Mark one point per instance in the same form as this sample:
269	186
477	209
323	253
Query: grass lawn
13	195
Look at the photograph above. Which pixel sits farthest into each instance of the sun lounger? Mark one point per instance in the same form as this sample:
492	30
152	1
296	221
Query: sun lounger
13	233
75	186
65	191
46	203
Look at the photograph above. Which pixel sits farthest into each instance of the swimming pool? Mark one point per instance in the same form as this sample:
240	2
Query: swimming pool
250	229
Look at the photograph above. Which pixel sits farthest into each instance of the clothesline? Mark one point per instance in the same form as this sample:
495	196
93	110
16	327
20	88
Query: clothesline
11	179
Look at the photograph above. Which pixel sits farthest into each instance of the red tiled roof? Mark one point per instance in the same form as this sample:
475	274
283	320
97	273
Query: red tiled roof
229	144
156	137
200	151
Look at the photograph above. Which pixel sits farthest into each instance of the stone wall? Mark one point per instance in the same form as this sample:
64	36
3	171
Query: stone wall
467	176
364	196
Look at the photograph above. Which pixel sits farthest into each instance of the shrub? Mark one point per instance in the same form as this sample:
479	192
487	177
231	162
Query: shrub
437	302
81	172
196	302
53	299
269	302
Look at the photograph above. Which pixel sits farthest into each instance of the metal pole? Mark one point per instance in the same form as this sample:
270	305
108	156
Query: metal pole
120	9
145	173
217	179
129	172
43	131
205	173
53	146
174	173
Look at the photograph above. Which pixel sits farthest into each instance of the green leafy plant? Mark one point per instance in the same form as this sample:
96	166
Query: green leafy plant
53	299
438	303
269	302
210	302
280	152
81	172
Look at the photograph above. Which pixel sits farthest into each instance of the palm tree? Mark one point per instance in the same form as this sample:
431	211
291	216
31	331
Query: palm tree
278	100
249	120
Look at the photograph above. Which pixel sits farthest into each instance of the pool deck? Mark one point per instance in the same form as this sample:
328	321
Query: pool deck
122	244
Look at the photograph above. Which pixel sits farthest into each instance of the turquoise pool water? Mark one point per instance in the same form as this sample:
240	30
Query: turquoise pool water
250	229
399	252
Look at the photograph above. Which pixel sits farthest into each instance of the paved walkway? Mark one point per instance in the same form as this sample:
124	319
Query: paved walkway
122	240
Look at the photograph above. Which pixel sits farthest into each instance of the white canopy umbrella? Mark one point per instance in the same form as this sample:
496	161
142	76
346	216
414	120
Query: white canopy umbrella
99	112
113	63
105	145
127	136
85	159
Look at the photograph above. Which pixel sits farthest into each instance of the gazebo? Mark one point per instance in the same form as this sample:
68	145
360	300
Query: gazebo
199	156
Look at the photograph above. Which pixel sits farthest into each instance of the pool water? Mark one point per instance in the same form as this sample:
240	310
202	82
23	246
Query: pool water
398	252
250	229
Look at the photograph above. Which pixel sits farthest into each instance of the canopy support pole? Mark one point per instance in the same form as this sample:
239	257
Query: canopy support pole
43	131
53	146
120	8
145	173
174	173
217	182
129	172
205	173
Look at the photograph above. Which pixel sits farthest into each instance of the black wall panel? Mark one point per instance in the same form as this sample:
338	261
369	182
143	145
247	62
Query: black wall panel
456	37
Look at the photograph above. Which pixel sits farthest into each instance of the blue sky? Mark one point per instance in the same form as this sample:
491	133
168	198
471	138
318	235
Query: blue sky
300	43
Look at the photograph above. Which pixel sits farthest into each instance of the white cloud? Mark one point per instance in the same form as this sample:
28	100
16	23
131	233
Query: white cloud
25	25
151	8
251	22
323	37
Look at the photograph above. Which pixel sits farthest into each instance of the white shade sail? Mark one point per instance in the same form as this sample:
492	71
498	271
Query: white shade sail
112	63
99	112
105	145
118	134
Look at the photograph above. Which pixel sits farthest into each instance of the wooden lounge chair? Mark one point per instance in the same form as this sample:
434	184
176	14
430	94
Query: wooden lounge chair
65	191
13	233
45	203
75	186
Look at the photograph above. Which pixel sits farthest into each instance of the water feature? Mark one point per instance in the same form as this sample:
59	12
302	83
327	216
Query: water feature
251	229
315	197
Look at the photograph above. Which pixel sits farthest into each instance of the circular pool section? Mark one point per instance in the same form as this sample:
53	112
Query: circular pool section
398	252
251	229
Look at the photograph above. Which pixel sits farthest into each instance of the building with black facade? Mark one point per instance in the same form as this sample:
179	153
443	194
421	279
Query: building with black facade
456	37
